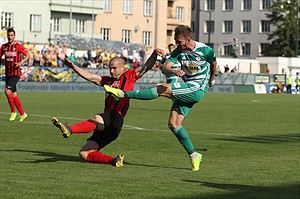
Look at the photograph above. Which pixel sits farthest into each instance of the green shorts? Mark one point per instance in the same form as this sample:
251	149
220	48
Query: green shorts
185	95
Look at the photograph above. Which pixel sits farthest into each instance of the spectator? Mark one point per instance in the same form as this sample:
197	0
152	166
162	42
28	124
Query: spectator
142	54
289	84
38	58
50	48
105	60
112	54
44	49
297	84
267	70
89	54
98	51
280	87
226	69
34	49
234	70
31	57
27	46
124	52
54	59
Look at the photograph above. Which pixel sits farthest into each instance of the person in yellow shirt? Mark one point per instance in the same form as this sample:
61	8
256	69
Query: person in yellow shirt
297	84
105	60
98	51
289	84
27	46
34	49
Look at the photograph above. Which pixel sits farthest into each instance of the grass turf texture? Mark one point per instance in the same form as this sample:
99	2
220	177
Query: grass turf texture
252	142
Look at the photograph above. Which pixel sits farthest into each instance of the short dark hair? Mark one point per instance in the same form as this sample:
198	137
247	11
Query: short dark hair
171	45
184	30
11	30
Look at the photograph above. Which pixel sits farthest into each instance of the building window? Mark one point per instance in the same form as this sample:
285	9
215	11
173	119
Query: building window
246	49
247	4
147	38
246	25
180	13
227	27
265	26
6	20
148	7
209	26
210	5
265	4
228	5
35	23
105	33
80	26
127	6
263	48
228	49
107	6
126	36
55	24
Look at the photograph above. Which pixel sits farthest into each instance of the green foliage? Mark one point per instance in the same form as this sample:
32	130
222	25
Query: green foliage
252	142
284	17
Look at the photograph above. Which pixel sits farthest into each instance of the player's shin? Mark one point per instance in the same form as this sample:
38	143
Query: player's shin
147	94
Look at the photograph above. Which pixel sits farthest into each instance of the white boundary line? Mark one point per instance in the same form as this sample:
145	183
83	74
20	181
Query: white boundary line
124	126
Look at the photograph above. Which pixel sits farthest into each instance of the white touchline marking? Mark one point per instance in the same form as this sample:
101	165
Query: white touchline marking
124	126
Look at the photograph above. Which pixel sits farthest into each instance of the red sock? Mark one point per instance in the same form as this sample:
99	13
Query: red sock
84	126
19	105
11	102
98	157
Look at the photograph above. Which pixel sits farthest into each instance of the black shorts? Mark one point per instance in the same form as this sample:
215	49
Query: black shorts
113	123
11	82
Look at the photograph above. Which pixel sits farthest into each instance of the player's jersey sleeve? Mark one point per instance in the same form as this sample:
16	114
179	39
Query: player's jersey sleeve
104	80
1	51
21	49
132	76
210	55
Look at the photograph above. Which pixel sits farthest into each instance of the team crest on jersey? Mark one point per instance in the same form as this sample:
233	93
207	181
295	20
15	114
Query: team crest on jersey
115	84
192	67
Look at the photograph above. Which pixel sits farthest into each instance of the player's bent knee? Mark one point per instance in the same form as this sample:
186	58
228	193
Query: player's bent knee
99	126
83	154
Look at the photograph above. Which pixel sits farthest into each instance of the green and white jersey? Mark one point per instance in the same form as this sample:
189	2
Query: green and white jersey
195	64
176	65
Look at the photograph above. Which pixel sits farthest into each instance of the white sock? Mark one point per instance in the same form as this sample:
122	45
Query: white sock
193	156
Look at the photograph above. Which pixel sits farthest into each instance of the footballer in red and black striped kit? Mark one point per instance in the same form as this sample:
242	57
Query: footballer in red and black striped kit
106	126
13	52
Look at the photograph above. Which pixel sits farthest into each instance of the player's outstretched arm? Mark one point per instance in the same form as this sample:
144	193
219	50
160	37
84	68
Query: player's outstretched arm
213	68
140	71
96	79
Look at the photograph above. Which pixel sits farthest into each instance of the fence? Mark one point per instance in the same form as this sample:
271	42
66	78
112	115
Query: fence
48	74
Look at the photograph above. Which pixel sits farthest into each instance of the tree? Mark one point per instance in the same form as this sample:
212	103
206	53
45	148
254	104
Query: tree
283	17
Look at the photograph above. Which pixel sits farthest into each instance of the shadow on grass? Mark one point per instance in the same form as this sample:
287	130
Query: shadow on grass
49	156
54	157
265	139
239	191
154	166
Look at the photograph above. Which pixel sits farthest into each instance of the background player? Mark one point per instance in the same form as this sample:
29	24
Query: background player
12	50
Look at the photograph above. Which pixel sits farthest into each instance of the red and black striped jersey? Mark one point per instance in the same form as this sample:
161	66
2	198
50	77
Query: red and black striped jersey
126	83
13	54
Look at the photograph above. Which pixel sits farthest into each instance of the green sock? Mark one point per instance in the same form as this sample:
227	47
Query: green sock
184	138
146	94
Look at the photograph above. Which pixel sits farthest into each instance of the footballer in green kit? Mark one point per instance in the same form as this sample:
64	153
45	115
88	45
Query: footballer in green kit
198	67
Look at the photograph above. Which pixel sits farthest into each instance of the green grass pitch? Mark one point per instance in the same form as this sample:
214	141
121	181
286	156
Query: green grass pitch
252	141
